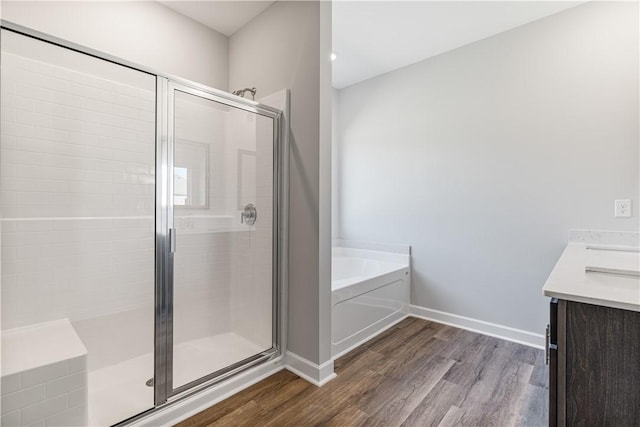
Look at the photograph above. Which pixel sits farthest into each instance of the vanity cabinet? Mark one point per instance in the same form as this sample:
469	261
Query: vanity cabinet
594	365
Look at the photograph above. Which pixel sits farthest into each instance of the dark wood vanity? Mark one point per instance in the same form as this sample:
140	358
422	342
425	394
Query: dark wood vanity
594	365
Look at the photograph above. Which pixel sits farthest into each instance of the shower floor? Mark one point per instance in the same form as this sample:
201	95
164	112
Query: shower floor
118	392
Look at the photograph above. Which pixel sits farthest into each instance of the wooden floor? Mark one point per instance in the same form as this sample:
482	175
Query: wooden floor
417	373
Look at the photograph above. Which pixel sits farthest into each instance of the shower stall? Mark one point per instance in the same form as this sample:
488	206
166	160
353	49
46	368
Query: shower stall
141	235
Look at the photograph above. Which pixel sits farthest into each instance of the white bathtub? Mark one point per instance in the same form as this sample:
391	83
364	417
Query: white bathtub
370	292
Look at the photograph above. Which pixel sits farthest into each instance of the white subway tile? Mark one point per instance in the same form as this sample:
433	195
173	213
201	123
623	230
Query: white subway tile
17	129
12	419
7	171
22	398
8	115
41	251
96	132
13	74
107	96
18	266
130	156
10	254
48	82
9	87
10	60
7	226
40	423
83	114
97	153
35	66
76	416
50	134
78	397
69	124
9	141
46	264
17	157
83	90
64	74
66	99
98	83
40	225
27	144
25	184
139	168
9	383
66	384
51	109
142	126
34	198
43	374
112	120
126	111
33	92
31	118
44	409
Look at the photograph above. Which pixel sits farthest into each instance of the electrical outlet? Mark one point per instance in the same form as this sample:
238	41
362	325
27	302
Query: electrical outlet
623	208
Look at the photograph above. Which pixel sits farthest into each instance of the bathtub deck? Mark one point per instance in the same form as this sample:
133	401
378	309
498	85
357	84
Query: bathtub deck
417	373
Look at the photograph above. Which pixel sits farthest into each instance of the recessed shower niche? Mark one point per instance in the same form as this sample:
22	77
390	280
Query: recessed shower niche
128	263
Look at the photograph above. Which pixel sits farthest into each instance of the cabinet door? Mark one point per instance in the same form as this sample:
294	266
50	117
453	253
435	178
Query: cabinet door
552	360
603	366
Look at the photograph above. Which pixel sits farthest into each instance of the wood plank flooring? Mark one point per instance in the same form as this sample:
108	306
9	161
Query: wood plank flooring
417	373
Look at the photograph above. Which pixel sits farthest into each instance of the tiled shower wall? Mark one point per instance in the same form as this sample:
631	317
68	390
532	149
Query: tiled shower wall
77	197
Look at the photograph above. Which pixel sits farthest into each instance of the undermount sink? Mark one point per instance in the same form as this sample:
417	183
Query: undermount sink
618	271
605	272
613	248
618	260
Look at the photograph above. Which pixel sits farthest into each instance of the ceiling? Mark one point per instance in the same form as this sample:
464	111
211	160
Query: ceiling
226	17
371	38
374	37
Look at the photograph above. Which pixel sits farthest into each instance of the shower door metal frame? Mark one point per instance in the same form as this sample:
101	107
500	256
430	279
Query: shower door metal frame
166	239
163	308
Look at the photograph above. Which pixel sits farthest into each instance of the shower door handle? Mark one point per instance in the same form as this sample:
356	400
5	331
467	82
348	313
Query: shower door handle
172	240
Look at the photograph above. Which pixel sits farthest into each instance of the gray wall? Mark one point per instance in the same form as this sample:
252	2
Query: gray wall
335	177
483	157
143	32
286	46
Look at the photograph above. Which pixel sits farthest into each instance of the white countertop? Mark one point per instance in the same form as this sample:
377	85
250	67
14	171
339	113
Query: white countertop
571	281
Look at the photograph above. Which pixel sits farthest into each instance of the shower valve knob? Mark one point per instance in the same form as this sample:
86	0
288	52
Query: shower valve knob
249	214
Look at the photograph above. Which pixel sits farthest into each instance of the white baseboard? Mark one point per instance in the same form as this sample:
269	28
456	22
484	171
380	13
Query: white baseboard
188	407
480	326
312	372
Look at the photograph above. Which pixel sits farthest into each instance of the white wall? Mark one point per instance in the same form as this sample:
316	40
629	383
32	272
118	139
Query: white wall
143	32
483	157
281	48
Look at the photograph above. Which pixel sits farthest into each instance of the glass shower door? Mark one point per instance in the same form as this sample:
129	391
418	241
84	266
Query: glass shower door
222	208
77	178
